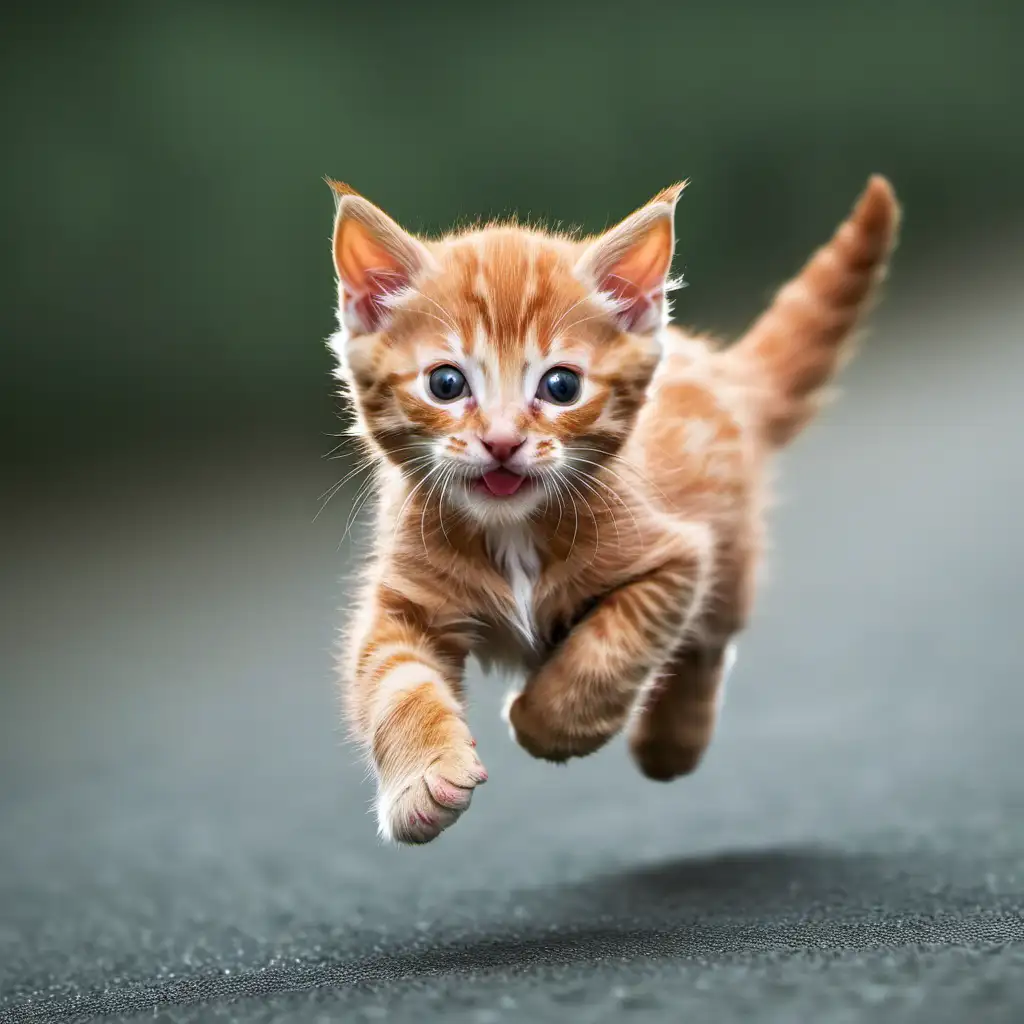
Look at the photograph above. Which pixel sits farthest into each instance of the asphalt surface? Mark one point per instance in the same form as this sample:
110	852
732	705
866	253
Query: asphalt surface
184	835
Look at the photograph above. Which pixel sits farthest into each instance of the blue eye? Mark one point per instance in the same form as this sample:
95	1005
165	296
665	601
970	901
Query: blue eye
560	385
448	383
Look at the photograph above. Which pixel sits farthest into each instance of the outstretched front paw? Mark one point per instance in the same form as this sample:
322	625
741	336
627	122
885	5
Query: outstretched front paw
542	735
430	792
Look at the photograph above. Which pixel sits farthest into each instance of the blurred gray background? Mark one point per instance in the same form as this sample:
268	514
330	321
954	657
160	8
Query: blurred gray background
181	824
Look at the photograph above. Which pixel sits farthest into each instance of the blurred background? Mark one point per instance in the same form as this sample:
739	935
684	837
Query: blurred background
166	275
167	601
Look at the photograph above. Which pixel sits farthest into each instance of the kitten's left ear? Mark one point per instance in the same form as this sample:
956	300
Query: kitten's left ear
630	263
374	258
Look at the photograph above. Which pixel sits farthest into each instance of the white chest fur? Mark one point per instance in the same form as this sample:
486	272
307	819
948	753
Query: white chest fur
515	556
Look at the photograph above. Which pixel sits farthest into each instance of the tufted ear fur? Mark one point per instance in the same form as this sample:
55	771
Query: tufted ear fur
374	258
629	264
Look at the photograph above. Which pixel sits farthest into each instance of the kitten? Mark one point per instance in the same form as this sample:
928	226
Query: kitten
567	484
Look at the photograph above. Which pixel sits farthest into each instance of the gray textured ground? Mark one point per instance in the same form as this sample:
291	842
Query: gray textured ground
182	829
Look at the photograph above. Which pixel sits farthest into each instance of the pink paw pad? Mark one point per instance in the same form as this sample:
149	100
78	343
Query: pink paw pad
448	795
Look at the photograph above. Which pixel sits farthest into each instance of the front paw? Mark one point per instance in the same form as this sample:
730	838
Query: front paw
416	803
541	735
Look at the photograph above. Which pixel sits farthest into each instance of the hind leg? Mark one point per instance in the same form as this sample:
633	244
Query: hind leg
676	719
672	724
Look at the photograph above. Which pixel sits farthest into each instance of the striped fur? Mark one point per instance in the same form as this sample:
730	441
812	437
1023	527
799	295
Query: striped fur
618	574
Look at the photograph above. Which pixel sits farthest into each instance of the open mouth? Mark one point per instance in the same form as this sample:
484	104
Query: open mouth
500	483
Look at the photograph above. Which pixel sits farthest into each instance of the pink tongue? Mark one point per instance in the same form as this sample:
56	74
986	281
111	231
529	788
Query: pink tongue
501	483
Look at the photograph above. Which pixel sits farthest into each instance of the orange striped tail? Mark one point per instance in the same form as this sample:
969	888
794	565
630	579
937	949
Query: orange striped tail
793	350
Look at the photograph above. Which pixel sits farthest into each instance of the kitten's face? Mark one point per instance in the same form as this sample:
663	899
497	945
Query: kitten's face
492	367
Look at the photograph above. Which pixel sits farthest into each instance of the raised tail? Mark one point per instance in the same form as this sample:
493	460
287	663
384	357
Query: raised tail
794	348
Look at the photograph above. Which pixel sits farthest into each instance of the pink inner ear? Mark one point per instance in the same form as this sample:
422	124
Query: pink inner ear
378	284
634	304
637	278
369	269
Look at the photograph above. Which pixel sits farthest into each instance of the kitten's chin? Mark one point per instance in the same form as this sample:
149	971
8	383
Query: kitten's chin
507	506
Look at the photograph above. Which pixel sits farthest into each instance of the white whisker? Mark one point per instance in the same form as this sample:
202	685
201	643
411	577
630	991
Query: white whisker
578	302
583	320
401	512
362	496
593	516
440	501
586	504
332	491
629	466
611	490
582	477
449	318
426	504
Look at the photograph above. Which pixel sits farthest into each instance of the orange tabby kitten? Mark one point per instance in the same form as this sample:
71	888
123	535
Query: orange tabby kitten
567	484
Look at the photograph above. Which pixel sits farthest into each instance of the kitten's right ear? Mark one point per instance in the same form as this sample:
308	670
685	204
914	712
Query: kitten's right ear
374	259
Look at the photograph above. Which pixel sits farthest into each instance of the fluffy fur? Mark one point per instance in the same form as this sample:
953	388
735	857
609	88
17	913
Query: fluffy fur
619	571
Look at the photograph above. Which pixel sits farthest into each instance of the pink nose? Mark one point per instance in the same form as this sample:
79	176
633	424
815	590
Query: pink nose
502	446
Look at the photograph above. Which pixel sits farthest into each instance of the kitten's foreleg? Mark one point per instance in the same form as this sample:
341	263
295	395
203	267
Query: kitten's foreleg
403	699
583	694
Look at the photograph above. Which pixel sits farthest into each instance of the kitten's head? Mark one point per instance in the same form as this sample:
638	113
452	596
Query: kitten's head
499	366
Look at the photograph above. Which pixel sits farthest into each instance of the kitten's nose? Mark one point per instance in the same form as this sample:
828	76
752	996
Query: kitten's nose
502	446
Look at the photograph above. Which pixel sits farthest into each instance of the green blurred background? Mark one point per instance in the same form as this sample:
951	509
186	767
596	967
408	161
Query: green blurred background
166	280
